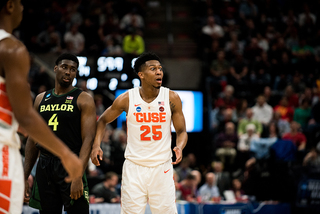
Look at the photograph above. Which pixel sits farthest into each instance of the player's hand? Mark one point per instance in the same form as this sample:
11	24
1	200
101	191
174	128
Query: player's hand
26	192
73	165
96	151
76	189
178	152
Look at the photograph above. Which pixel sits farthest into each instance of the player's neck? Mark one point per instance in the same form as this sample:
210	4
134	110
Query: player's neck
6	26
58	90
149	94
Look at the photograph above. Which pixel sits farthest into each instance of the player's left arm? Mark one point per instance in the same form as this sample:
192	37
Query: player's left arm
179	125
88	130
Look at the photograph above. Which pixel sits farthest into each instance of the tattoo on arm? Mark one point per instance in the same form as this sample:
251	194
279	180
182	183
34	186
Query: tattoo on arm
172	106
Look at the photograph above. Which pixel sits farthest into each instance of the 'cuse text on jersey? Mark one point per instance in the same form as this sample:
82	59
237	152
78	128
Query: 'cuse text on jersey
155	117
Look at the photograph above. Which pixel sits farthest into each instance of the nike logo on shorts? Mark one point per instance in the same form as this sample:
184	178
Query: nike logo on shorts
166	171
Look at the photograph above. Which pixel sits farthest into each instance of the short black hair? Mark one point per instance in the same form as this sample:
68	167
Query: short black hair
3	3
67	56
143	58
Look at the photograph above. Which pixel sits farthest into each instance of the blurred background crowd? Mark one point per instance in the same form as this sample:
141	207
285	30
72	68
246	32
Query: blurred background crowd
259	74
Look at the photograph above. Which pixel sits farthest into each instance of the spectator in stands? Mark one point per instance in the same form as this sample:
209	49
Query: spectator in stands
49	40
192	161
107	147
252	51
227	98
239	194
303	55
283	125
89	30
247	137
186	187
239	77
248	9
306	15
312	130
312	158
177	185
284	109
303	113
262	42
42	81
133	44
226	144
132	20
106	191
260	75
216	116
212	29
111	48
222	177
98	100
228	116
209	190
218	70
293	99
183	169
296	136
249	120
241	109
119	147
271	96
283	72
262	111
75	41
234	40
198	176
260	147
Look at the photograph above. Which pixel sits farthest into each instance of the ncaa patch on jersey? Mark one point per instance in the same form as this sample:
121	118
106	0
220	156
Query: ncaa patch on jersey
138	109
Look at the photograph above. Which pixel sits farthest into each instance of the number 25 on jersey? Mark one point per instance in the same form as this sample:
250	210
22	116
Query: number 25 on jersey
156	133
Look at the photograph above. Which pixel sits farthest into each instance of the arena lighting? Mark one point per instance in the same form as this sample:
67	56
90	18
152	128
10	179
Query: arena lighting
124	77
110	63
84	70
133	61
74	82
113	84
135	82
92	84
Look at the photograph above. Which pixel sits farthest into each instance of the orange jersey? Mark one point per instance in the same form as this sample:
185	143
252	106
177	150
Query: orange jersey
149	129
8	123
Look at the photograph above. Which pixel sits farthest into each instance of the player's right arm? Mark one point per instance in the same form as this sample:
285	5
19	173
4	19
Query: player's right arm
15	63
119	105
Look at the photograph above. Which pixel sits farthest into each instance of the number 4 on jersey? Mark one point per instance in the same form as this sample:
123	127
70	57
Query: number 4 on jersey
54	122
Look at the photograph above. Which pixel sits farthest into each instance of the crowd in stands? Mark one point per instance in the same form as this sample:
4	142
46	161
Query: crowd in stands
261	79
81	27
260	64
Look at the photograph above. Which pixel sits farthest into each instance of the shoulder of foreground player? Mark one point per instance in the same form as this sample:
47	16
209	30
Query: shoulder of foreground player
13	51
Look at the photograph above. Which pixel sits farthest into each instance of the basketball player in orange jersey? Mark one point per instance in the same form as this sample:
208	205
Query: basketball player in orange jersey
147	171
16	109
